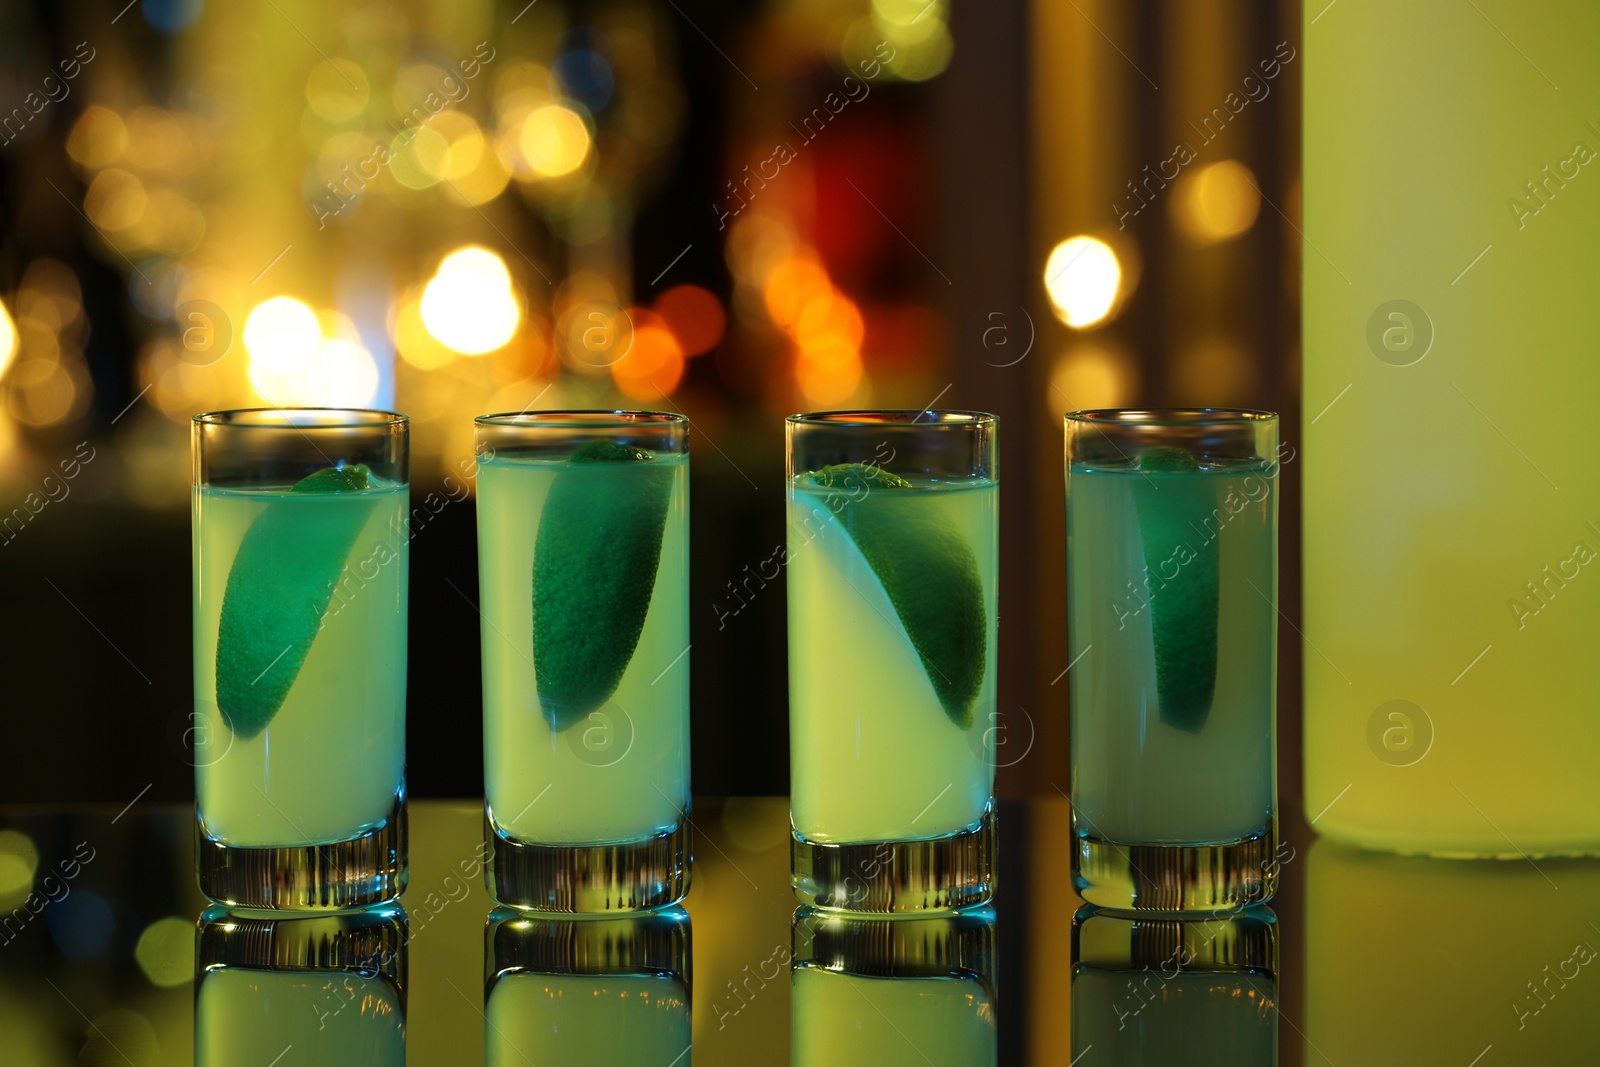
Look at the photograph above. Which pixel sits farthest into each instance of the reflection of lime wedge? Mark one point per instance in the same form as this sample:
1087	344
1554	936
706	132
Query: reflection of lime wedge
594	570
281	582
1181	574
928	570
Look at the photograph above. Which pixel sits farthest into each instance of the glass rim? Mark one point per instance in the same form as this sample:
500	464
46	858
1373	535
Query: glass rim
582	418
1170	416
281	418
906	418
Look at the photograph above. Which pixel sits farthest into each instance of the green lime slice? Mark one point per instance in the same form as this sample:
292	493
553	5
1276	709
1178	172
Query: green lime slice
282	580
928	570
594	570
1181	566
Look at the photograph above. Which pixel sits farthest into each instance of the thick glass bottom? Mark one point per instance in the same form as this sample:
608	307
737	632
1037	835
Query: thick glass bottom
364	870
1177	879
897	877
623	876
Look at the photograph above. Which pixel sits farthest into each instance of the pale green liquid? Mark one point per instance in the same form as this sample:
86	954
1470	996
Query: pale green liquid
844	1020
632	779
586	1021
328	765
873	756
244	1018
1136	779
1193	1018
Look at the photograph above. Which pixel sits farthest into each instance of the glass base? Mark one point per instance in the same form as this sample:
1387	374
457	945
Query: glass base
365	870
896	877
1177	879
624	876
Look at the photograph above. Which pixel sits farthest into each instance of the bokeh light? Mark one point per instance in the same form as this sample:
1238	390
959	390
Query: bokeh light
19	861
1090	375
98	138
116	200
337	90
1082	277
165	951
555	140
695	317
469	304
653	364
280	334
1217	202
8	338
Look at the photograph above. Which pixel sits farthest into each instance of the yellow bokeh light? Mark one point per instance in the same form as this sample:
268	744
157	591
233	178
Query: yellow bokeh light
280	334
8	338
825	384
412	340
42	392
555	140
337	90
19	861
115	201
1090	376
1217	202
98	138
416	155
165	951
469	304
463	147
341	373
1082	277
483	183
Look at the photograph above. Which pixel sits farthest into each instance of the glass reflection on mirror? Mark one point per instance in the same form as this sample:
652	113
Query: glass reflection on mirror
602	992
1160	990
866	992
1480	952
319	990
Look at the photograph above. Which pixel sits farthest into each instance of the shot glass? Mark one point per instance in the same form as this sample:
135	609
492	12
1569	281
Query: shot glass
330	987
871	991
892	565
1172	530
300	575
1162	990
583	562
587	990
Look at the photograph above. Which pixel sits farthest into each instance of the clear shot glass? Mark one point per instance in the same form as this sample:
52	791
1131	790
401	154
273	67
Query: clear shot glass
583	563
1172	564
892	563
300	576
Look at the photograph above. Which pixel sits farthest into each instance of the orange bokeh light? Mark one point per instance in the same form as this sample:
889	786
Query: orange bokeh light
824	384
654	363
791	285
695	317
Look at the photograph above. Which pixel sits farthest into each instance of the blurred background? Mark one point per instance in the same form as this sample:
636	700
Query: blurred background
735	210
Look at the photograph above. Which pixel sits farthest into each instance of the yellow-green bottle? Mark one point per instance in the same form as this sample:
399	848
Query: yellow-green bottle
1452	489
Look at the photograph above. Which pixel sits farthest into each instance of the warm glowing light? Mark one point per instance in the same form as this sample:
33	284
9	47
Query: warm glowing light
8	338
340	374
827	317
824	384
1082	277
469	304
280	334
166	952
412	340
555	140
42	392
695	317
1217	202
1090	376
98	138
19	860
458	149
337	90
653	365
115	200
792	285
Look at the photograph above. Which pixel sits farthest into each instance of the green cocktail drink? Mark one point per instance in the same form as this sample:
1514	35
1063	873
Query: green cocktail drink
1172	581
616	1021
892	559
605	992
300	591
332	1018
583	566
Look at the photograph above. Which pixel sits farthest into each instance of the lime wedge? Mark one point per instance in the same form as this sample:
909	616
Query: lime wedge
282	580
594	570
1181	566
928	570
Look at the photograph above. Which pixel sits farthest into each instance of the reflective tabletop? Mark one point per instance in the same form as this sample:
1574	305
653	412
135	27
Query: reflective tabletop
108	955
